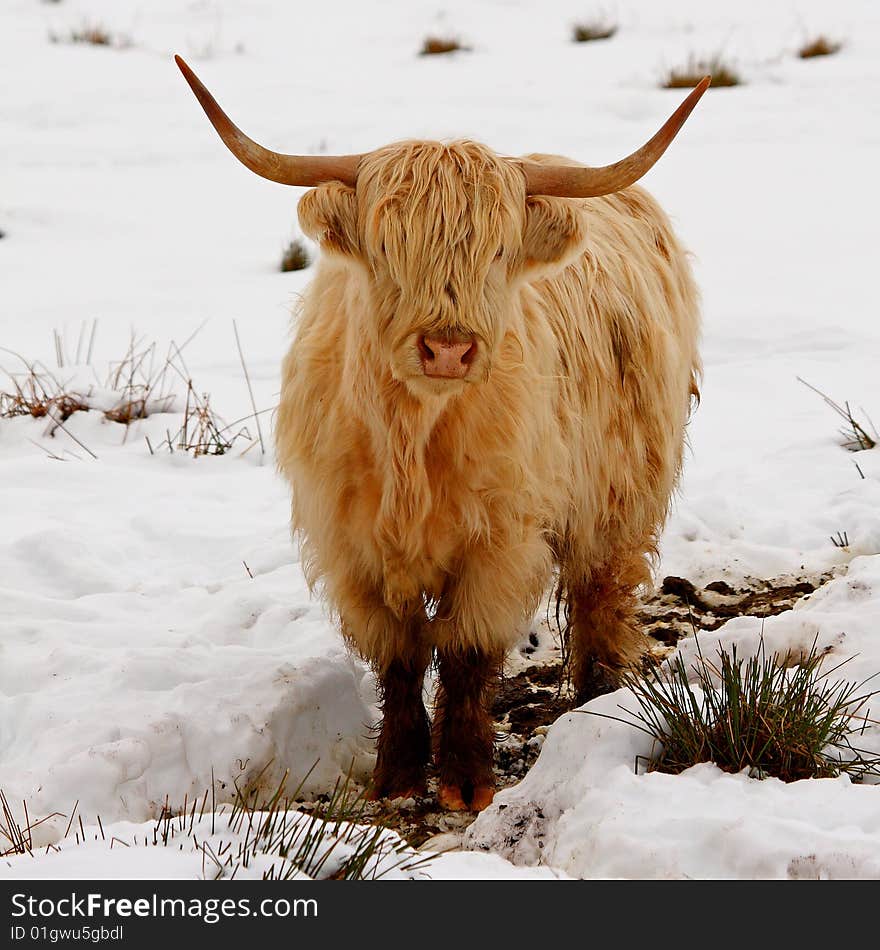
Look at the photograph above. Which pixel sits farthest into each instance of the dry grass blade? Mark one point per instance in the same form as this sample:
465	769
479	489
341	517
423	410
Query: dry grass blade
856	437
19	836
60	425
247	377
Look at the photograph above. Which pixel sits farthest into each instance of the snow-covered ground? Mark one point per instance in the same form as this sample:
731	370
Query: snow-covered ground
155	629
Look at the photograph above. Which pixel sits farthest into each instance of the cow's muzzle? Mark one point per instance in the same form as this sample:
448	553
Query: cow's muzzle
447	357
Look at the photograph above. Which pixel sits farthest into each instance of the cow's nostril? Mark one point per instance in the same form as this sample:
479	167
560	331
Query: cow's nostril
468	357
425	351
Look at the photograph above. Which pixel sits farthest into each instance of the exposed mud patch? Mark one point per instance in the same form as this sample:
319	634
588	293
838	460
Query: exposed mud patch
533	692
679	607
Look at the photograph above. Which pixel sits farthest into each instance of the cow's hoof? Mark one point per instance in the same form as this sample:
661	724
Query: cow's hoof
482	797
452	798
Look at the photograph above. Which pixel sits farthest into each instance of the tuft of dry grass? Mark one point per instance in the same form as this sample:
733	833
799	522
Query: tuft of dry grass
589	30
36	392
438	45
820	46
202	431
135	389
855	434
32	395
140	384
331	842
689	75
17	833
141	387
91	34
295	256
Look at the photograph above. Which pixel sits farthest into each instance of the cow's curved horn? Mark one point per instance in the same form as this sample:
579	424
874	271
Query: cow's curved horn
575	181
305	170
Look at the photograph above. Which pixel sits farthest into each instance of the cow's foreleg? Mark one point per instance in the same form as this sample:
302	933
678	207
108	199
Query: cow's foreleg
463	728
404	746
397	651
493	592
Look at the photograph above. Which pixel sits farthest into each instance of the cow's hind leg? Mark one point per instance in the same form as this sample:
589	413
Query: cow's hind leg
603	636
404	746
463	728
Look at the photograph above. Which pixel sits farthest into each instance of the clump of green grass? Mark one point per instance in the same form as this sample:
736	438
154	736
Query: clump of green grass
295	256
820	46
688	76
775	716
855	434
438	45
599	28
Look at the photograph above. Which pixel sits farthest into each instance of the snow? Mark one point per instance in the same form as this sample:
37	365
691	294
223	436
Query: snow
139	658
210	846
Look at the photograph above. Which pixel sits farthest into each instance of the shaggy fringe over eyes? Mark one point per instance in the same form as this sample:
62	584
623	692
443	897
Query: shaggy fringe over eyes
435	217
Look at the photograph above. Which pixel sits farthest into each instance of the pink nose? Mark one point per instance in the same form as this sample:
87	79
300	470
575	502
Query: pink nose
447	359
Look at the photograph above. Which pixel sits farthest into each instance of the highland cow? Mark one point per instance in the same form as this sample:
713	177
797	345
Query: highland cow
489	383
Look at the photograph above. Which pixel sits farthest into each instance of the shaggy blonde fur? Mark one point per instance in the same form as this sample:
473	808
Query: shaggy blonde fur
434	511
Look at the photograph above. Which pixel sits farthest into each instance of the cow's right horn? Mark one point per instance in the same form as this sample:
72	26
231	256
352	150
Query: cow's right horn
304	170
579	181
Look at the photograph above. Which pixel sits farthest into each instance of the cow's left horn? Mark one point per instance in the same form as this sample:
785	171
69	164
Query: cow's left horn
305	170
575	181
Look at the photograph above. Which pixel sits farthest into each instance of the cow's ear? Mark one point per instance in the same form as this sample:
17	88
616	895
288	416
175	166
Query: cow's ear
553	236
328	215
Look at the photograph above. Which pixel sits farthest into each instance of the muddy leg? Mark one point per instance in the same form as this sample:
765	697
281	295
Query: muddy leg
463	729
404	746
604	636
